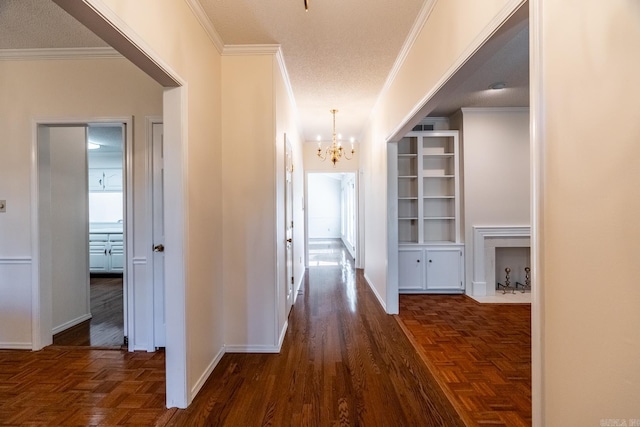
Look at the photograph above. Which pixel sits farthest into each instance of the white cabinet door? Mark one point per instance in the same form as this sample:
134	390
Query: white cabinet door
113	180
410	270
116	253
444	269
96	180
98	253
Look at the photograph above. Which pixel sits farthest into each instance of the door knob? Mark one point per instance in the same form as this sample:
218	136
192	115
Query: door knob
158	248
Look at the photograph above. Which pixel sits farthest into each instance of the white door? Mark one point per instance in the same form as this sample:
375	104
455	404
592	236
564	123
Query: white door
289	223
159	323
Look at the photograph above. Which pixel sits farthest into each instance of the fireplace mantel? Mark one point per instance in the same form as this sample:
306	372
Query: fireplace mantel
485	242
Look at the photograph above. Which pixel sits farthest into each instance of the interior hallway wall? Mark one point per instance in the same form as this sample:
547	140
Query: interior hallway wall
58	89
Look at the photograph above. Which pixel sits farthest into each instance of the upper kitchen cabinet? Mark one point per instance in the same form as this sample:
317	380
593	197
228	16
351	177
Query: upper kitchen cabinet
105	158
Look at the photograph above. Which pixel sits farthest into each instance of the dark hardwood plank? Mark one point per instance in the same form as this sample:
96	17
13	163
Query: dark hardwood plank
343	362
479	353
106	326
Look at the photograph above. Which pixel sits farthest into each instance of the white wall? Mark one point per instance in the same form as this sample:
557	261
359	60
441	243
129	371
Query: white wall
586	134
496	173
324	206
118	89
66	171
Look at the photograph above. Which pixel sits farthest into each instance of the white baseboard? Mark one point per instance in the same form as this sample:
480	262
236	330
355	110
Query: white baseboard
16	346
203	378
375	292
479	288
283	332
71	323
251	349
298	286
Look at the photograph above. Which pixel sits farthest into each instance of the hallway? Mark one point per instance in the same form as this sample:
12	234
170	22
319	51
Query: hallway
343	362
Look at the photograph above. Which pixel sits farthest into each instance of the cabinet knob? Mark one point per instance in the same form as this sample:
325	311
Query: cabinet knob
417	260
429	260
158	248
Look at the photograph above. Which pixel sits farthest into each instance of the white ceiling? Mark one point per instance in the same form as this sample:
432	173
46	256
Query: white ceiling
338	54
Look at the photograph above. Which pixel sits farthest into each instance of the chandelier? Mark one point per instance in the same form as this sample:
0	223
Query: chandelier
335	151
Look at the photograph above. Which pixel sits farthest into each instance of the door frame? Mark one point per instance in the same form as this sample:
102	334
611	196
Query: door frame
150	121
41	299
359	258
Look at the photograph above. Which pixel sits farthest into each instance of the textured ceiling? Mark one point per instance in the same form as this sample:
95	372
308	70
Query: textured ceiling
338	54
41	24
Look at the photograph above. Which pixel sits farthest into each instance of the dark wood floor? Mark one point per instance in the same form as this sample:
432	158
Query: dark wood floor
106	327
479	353
343	362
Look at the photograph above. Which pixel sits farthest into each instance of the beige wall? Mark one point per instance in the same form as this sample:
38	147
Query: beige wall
453	31
589	209
496	164
249	199
74	89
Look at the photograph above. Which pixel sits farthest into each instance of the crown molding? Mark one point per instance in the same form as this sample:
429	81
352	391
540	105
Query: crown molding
59	53
510	7
252	49
208	27
494	109
418	24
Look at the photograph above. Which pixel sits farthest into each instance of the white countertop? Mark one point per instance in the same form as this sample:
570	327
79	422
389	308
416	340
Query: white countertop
105	227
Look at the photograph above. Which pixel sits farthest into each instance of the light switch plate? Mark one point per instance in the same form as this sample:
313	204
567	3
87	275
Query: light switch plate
3	205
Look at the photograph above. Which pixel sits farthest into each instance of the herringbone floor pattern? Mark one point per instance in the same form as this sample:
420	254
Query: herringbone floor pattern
66	386
479	353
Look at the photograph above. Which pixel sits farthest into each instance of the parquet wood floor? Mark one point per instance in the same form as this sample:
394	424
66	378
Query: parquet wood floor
479	353
344	362
72	386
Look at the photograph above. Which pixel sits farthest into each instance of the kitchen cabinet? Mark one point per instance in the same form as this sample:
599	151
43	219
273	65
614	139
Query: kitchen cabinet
106	253
105	179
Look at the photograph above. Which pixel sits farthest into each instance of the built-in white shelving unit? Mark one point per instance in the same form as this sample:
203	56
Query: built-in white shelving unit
430	257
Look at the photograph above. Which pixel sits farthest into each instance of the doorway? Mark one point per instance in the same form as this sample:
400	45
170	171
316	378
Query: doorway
81	224
331	214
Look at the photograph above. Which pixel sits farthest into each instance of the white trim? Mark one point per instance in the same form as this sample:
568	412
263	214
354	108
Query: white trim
59	53
418	24
176	141
251	349
206	23
480	237
494	109
507	11
71	323
148	174
203	378
375	292
139	261
283	333
15	260
251	49
15	346
537	125
41	333
296	290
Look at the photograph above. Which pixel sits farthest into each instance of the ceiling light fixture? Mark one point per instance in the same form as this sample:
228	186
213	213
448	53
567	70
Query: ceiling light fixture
335	151
306	5
497	85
